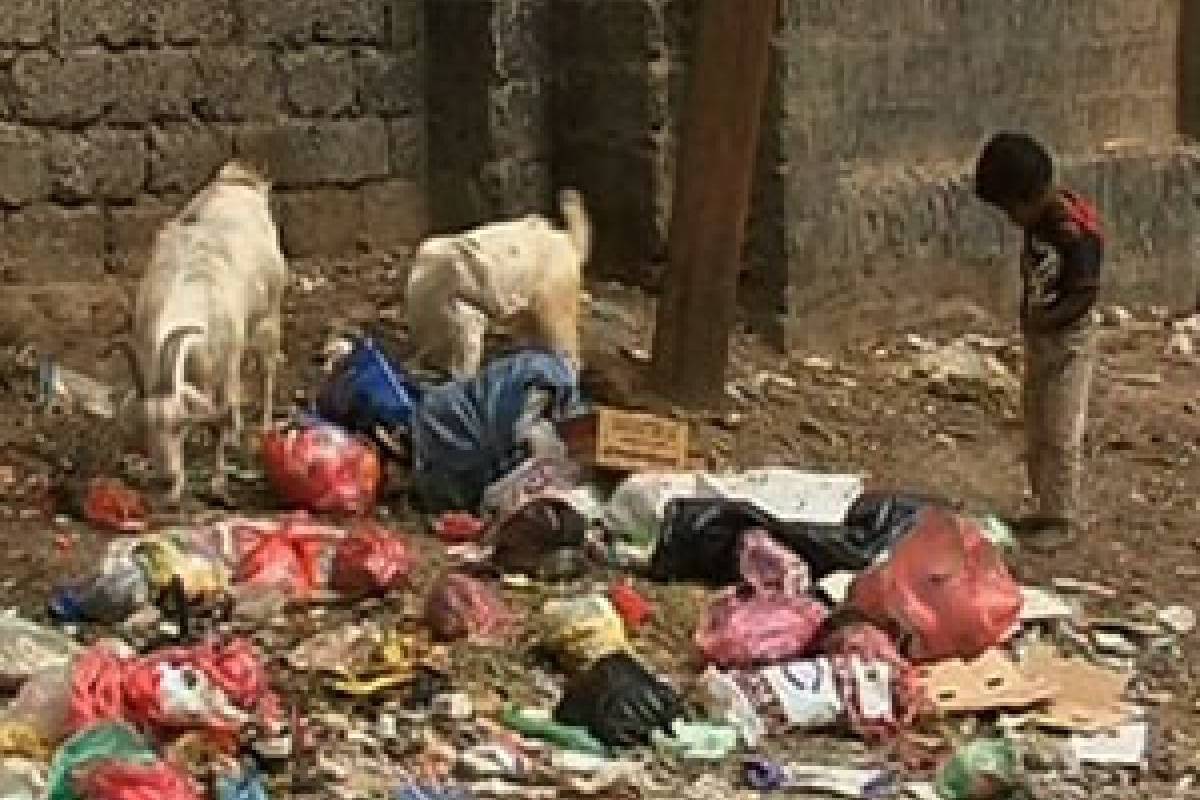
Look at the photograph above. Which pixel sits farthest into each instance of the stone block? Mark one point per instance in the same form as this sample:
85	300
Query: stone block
409	147
26	23
153	86
318	81
389	83
321	222
23	174
407	23
326	152
131	232
294	22
70	91
236	84
188	22
395	214
116	23
46	243
184	156
99	164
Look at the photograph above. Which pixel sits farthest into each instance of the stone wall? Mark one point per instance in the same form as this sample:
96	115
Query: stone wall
886	104
113	111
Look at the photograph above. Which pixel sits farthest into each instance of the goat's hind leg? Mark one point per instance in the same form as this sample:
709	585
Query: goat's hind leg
267	352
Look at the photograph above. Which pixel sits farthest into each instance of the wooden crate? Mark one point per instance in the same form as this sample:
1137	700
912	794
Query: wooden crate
627	441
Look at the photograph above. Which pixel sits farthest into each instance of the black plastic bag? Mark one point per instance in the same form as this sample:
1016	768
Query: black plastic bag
701	538
619	701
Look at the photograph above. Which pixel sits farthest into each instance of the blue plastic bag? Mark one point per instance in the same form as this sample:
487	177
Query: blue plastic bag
367	393
467	434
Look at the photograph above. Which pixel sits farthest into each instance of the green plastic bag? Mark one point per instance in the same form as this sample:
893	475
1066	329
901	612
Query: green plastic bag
984	769
106	742
537	726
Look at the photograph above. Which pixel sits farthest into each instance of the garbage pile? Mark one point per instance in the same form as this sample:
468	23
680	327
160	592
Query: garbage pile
518	650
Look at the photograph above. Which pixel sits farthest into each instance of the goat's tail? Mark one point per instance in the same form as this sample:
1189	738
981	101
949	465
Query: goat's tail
579	225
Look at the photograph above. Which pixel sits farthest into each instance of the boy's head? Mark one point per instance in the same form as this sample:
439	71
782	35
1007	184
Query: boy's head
1016	174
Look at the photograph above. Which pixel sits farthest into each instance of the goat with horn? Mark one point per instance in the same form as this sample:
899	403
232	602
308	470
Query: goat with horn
211	292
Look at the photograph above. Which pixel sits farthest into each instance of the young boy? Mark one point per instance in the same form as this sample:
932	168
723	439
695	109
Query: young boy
1060	275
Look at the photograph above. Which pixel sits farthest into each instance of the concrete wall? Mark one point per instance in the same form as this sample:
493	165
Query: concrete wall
112	111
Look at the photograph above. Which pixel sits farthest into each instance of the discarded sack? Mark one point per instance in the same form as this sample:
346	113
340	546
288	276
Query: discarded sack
460	606
111	504
319	467
619	701
467	434
370	561
945	590
527	540
368	393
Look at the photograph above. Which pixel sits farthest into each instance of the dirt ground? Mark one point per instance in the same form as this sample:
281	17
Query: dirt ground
857	407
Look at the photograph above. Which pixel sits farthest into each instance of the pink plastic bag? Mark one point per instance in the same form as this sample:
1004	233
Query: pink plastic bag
945	590
322	468
745	628
768	566
767	620
370	561
867	644
461	606
125	780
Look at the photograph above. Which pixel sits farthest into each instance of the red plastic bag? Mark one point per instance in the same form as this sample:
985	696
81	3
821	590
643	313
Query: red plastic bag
945	590
370	561
322	468
287	558
125	780
457	527
113	505
460	606
207	687
633	608
97	689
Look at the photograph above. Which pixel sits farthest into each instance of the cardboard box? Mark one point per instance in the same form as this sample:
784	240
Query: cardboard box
627	441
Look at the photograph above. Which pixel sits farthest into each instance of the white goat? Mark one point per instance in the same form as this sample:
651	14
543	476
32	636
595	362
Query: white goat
213	287
524	268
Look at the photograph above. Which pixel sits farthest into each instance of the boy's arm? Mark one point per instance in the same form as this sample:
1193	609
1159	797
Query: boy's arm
1081	288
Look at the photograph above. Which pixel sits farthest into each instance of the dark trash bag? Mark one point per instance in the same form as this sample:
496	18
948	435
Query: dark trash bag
368	394
619	701
530	538
464	433
701	537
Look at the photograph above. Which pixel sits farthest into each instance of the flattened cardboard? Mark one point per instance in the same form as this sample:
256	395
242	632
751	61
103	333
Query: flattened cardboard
1086	698
992	682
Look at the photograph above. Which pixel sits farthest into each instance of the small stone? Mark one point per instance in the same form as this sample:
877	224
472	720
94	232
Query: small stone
1180	344
1117	316
639	355
453	705
1145	379
1178	619
819	363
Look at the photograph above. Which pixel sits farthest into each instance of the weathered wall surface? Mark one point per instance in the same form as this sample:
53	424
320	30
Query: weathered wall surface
112	111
